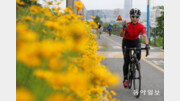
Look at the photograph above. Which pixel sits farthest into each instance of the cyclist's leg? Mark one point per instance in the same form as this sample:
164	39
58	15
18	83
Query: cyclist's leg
126	64
139	54
139	51
126	61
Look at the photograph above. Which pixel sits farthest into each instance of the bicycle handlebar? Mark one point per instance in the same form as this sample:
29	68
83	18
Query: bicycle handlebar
135	48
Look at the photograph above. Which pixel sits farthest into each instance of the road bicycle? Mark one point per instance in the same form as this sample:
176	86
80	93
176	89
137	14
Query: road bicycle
134	71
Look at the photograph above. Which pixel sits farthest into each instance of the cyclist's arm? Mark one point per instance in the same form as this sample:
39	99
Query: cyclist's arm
143	31
145	39
122	33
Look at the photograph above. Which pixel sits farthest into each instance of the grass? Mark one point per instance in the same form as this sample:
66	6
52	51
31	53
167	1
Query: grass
159	42
25	78
116	33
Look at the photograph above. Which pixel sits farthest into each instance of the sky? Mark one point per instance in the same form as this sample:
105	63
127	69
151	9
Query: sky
113	4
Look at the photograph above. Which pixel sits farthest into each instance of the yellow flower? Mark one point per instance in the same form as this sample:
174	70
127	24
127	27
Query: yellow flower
49	3
93	24
58	3
43	9
56	9
114	93
68	9
19	2
23	95
56	63
60	97
80	16
28	54
50	24
59	13
43	31
48	14
28	18
25	34
79	5
93	17
34	9
38	19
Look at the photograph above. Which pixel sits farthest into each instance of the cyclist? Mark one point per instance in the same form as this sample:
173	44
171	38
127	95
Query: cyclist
99	30
130	33
109	28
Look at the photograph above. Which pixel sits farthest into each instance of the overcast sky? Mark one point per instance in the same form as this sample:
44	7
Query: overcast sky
112	4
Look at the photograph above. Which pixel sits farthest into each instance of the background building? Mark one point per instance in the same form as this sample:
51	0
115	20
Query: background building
127	8
71	3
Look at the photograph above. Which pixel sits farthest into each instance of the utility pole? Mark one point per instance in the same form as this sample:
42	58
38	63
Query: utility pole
148	13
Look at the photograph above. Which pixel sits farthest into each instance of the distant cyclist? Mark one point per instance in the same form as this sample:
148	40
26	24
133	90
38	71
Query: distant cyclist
99	30
109	28
130	33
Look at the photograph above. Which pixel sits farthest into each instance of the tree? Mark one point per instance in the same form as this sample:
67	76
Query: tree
115	26
97	19
159	30
160	24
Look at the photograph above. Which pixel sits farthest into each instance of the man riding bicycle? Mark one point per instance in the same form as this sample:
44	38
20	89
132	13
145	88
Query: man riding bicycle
109	28
130	33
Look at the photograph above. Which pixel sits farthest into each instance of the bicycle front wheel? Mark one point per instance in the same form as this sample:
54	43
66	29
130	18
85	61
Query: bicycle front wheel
137	81
130	76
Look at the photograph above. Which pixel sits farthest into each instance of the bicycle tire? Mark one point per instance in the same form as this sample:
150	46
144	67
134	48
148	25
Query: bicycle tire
137	80
130	77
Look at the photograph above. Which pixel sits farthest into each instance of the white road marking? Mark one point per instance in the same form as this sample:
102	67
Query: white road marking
112	40
158	62
116	47
153	65
112	54
119	55
100	47
154	54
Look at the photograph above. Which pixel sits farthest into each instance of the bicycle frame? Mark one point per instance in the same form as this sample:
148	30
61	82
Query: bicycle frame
132	70
133	56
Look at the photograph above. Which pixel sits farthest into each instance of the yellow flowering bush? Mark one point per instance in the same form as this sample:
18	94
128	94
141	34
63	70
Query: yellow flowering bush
79	5
58	52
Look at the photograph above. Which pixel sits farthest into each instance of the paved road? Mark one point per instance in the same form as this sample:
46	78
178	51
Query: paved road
152	69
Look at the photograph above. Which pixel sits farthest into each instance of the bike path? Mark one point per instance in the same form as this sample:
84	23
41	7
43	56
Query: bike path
152	78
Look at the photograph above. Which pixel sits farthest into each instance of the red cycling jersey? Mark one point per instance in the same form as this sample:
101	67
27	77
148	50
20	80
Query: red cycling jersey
132	31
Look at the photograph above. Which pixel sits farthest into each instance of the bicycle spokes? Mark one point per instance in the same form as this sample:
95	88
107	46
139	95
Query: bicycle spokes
137	83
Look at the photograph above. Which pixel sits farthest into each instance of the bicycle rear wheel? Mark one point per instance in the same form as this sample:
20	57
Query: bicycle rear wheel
137	81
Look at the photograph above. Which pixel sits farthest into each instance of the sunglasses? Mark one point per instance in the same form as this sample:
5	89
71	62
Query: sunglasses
135	16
